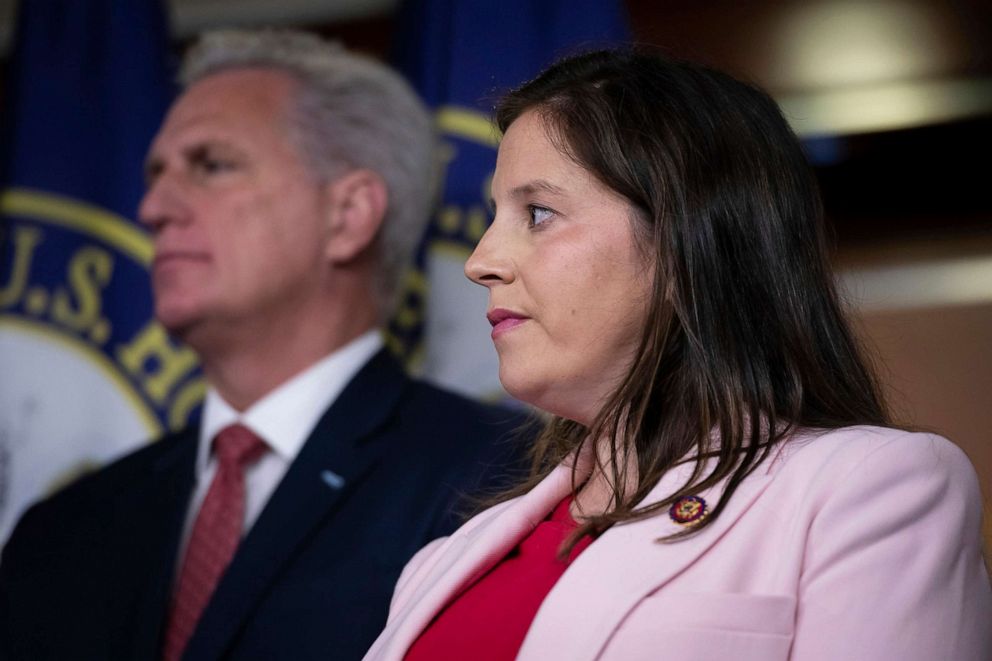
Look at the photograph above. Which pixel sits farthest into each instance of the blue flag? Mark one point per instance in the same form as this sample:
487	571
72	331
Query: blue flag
87	374
461	55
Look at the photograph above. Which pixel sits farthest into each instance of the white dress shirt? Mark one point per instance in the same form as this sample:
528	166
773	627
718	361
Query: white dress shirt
284	419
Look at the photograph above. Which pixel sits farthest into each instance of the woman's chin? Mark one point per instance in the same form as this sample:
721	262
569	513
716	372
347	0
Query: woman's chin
544	395
523	388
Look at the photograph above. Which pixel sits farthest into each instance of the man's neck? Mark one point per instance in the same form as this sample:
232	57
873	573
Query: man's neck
244	369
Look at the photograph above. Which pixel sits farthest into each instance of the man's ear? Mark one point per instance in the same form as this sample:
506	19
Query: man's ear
358	201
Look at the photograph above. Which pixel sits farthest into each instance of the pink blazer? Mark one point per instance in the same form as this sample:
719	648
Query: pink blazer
861	544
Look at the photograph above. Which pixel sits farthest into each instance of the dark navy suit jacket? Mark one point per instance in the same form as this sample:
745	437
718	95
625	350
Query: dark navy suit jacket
88	573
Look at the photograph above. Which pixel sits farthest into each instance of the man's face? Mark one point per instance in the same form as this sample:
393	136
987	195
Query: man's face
239	218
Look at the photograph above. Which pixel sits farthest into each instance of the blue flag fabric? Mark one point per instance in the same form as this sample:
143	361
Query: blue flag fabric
87	374
89	86
461	55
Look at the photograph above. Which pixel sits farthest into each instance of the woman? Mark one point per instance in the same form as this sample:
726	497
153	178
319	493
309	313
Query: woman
717	480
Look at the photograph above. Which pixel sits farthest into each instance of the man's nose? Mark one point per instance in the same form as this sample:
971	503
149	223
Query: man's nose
162	203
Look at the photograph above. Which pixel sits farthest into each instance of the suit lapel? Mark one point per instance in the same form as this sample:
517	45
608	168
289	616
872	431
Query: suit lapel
621	568
468	554
158	526
334	460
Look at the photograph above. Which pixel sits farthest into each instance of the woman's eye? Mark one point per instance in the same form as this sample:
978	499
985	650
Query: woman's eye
538	214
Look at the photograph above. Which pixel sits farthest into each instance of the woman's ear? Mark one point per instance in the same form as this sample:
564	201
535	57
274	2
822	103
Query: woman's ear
358	201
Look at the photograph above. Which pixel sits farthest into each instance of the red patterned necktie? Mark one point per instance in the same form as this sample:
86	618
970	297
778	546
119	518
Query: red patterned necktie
215	537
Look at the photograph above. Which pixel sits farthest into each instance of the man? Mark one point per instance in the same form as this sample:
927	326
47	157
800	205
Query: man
286	188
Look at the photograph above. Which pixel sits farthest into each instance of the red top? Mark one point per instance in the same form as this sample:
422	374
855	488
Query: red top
488	621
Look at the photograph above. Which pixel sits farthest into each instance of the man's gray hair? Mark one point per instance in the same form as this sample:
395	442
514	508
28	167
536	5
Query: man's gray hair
350	112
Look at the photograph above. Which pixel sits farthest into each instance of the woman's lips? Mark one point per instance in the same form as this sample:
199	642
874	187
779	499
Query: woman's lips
504	320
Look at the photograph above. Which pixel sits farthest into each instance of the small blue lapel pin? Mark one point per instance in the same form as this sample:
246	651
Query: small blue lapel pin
332	479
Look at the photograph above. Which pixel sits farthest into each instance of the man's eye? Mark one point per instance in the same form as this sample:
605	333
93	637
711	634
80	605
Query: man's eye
538	214
207	161
214	165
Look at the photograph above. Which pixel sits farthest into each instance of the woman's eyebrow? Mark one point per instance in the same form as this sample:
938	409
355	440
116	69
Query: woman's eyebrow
528	189
535	186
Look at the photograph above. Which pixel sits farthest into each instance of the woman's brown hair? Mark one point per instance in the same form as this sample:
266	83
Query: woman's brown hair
745	340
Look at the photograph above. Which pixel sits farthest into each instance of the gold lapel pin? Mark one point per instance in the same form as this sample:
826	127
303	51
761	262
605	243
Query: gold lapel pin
688	510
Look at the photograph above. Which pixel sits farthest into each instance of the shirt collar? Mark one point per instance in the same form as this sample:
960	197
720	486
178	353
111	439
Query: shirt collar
286	416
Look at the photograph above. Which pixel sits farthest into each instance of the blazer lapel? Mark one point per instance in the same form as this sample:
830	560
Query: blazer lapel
622	567
158	526
467	555
333	461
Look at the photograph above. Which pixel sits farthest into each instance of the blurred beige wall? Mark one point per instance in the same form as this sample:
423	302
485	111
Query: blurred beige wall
934	349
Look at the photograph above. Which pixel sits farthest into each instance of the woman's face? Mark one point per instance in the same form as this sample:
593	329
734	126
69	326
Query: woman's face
568	288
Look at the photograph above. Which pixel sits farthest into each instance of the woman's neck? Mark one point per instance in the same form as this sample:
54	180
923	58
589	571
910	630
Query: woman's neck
597	493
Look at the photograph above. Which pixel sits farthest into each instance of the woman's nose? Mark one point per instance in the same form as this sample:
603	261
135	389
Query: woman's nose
490	262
